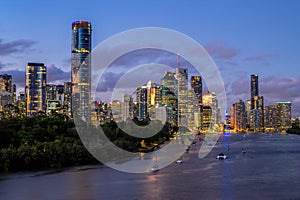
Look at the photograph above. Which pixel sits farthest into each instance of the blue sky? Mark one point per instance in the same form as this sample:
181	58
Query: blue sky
243	37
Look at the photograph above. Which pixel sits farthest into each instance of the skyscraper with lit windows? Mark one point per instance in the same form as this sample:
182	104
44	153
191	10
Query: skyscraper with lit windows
254	88
35	88
81	67
196	83
182	78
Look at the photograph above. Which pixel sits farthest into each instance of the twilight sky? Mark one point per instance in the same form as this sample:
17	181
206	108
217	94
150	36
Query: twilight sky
243	37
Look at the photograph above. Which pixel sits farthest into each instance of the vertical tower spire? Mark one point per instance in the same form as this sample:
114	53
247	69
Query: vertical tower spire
178	60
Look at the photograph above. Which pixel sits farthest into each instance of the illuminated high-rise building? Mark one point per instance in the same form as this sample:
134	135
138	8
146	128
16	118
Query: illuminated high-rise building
141	99
283	114
270	117
196	83
240	116
81	67
6	83
253	88
182	78
35	88
210	99
154	94
169	86
68	98
6	90
259	106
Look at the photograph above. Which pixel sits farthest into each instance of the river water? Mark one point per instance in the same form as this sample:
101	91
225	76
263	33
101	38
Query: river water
268	170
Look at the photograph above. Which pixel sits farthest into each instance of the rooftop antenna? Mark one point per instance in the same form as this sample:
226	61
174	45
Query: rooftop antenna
178	60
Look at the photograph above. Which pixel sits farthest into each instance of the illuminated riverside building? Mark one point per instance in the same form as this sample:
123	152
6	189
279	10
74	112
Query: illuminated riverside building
81	67
127	107
6	90
6	83
182	78
196	83
68	98
253	88
35	88
141	99
169	85
206	118
210	99
154	94
239	116
193	110
270	117
283	115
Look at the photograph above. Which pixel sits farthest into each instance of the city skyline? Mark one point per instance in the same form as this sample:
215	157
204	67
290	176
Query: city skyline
237	53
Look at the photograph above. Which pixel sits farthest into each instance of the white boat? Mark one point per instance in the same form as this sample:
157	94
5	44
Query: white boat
155	168
179	161
221	156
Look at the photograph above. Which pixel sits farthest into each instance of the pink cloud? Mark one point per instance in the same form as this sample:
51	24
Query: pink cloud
220	49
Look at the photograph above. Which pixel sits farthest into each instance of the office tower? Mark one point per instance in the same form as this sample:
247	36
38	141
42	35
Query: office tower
182	78
210	99
253	88
248	112
259	106
59	92
116	108
35	88
169	86
270	117
161	113
127	107
192	109
141	99
154	94
169	82
283	114
6	83
14	93
50	92
196	83
53	107
68	98
6	89
240	116
232	116
206	118
81	68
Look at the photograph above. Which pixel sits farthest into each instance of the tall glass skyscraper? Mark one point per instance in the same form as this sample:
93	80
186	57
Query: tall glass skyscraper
196	83
35	88
81	67
182	78
254	88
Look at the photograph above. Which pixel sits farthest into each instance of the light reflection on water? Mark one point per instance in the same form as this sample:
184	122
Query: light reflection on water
268	170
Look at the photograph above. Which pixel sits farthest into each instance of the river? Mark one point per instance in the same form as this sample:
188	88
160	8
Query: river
268	170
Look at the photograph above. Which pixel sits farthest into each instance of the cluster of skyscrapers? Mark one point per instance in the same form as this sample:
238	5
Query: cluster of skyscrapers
42	98
254	116
171	100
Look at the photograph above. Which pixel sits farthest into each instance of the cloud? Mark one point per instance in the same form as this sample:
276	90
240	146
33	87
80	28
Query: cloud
280	87
56	75
16	46
260	57
108	81
219	49
1	65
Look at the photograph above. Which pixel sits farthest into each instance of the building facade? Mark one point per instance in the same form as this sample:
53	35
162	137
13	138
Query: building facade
35	89
81	68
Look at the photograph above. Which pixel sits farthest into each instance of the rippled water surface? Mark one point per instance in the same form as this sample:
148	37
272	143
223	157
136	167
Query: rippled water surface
270	169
